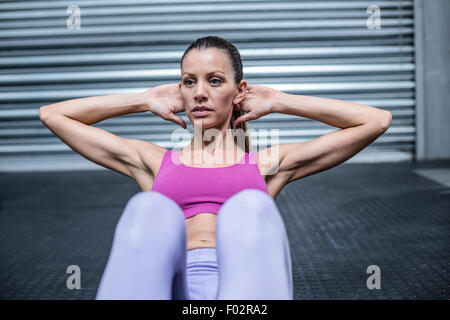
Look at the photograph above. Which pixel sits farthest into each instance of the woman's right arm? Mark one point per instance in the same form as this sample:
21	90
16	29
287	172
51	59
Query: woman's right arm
71	122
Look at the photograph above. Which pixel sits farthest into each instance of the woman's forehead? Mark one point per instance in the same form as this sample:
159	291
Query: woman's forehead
206	62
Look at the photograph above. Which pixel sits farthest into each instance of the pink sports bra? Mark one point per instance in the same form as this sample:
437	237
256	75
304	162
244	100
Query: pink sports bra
197	190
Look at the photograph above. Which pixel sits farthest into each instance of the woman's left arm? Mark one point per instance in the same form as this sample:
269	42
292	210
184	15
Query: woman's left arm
359	125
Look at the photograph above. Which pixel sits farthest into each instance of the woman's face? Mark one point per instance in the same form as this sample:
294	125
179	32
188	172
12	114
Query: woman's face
207	79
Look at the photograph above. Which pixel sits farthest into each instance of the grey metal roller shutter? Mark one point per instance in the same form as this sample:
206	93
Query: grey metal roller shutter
322	48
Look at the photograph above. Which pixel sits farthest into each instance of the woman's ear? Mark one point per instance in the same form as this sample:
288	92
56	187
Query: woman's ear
242	91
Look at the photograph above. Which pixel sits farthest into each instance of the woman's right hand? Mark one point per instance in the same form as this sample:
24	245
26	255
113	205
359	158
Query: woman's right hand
165	101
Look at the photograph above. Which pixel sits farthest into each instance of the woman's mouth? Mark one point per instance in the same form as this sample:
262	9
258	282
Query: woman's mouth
201	111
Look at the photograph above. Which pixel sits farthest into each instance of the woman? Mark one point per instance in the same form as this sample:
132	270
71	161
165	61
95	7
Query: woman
202	231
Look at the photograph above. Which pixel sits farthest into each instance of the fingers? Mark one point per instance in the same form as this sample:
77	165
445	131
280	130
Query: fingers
245	117
178	120
182	123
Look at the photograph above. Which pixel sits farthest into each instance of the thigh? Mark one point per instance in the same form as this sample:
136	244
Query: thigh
253	249
148	250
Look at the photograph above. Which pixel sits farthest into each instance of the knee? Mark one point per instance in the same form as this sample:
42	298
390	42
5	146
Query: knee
148	214
152	204
250	217
250	203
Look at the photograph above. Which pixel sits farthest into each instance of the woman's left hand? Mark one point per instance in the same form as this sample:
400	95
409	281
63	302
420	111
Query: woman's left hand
257	102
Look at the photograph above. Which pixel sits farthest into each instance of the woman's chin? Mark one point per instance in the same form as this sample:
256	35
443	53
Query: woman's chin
205	122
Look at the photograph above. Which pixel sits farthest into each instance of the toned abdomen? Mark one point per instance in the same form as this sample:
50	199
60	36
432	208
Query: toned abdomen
201	231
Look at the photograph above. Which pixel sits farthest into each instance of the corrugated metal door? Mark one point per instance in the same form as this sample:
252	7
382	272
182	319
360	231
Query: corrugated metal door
53	51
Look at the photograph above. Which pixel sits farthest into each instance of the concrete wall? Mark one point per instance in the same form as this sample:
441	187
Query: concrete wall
432	43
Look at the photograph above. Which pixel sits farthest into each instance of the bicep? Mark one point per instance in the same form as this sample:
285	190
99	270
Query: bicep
97	145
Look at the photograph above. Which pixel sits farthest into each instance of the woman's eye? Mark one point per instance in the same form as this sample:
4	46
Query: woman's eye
215	81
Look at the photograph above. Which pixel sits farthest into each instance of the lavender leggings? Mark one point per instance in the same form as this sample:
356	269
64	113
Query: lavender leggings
148	258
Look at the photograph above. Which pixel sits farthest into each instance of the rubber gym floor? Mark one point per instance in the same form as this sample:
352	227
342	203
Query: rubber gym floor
339	222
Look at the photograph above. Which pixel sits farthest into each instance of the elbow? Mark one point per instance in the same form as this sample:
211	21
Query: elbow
386	120
43	113
380	121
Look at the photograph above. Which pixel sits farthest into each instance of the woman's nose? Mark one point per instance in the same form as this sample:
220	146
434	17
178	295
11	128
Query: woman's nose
200	91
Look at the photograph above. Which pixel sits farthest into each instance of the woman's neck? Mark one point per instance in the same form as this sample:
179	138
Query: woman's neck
219	155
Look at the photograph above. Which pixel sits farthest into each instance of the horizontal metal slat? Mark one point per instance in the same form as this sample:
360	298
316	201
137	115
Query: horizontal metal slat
211	27
175	56
210	6
27	5
200	17
78	39
181	46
